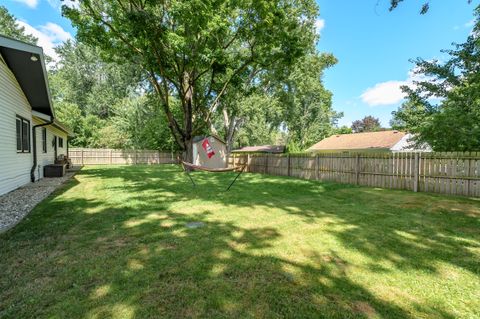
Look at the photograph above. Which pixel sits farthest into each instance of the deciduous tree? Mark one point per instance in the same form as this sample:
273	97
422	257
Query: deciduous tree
444	108
196	50
10	27
367	124
424	7
308	116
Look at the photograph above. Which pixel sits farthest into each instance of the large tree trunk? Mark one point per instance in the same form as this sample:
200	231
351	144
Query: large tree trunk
231	126
188	117
188	151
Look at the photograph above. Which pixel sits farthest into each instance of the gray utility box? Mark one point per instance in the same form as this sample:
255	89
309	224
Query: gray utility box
54	170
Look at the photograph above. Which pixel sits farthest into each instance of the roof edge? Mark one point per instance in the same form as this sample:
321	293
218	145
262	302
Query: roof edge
34	49
57	124
19	45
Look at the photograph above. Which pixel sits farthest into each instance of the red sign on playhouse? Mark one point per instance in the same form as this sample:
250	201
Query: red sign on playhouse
208	148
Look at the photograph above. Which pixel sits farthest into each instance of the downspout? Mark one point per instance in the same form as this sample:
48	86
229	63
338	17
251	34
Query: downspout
34	144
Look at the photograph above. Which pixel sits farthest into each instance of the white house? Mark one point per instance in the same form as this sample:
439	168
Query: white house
30	136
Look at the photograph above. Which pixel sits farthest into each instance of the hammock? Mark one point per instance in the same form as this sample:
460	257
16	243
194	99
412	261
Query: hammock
240	170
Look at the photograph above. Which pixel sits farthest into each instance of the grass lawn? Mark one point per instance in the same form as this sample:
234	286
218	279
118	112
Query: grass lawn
113	243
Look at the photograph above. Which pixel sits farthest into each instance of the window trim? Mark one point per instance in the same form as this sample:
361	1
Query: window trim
29	135
18	134
44	140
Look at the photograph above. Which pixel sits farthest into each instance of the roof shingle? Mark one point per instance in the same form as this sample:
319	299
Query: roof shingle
357	141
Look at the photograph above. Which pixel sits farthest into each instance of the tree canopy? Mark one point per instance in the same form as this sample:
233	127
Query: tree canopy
196	51
367	124
424	7
104	103
443	108
308	115
292	108
10	28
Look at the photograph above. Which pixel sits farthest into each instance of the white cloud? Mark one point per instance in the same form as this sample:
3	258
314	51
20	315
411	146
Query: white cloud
319	25
466	25
49	36
469	24
390	92
55	32
30	3
385	93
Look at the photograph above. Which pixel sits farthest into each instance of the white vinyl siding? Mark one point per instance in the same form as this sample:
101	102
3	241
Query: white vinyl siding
14	167
48	157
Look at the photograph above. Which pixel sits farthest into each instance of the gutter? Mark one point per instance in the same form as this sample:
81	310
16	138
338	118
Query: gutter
34	144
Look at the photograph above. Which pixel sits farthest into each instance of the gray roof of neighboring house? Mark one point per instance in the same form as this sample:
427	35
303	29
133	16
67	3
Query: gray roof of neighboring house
31	75
262	149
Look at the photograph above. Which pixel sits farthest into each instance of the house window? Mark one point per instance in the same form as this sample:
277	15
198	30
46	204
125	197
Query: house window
44	139
19	134
60	142
23	135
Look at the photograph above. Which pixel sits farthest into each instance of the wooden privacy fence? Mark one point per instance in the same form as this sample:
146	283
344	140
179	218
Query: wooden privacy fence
445	173
93	156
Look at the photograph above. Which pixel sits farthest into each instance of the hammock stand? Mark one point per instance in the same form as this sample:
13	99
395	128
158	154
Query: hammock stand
239	169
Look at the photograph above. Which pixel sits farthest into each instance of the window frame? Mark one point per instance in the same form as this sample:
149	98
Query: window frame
18	134
44	139
22	136
60	142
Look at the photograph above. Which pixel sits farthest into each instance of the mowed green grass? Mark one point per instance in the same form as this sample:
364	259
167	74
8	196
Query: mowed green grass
113	243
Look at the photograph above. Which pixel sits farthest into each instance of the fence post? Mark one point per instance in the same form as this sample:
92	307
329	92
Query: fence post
416	173
288	167
110	157
248	162
233	159
266	163
357	169
82	156
467	173
135	158
317	166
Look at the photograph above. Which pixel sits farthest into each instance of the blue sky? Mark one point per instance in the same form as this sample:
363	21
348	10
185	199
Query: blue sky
373	45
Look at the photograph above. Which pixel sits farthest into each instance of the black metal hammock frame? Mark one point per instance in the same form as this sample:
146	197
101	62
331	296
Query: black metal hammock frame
239	169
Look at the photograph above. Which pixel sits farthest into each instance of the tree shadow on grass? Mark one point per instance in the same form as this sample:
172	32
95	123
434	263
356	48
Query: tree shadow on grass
407	229
108	266
93	255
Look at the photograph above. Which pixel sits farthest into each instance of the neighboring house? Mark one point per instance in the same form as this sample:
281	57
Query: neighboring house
271	149
209	151
381	141
30	136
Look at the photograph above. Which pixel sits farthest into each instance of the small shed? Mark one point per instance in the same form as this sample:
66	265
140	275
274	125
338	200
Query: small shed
209	151
271	149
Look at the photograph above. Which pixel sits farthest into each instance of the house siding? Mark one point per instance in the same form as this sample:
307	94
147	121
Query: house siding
48	157
14	167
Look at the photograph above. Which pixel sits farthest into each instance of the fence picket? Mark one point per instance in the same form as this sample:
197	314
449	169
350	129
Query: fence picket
444	173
